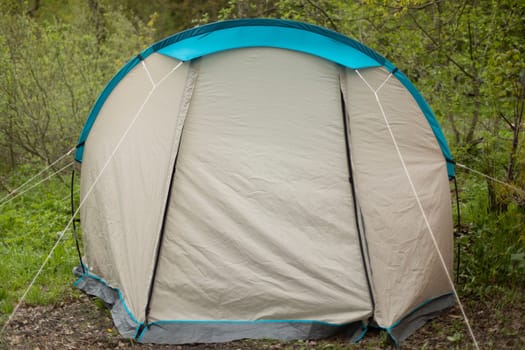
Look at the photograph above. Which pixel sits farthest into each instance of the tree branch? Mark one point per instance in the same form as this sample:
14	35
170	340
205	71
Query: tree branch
453	61
419	7
509	123
334	26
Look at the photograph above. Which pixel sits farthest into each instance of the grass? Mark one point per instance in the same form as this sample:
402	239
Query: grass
492	249
29	227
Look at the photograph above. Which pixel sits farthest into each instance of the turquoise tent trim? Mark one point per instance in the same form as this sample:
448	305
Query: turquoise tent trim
101	280
364	330
418	307
276	37
415	309
284	34
245	322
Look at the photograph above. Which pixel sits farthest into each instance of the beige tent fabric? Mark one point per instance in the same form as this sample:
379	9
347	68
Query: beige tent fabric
405	266
121	218
260	223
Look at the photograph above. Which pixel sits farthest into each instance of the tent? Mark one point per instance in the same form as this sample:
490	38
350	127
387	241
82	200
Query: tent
264	178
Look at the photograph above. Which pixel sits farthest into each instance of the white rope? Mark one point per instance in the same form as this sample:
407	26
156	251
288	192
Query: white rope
148	73
35	176
420	205
519	190
88	192
36	184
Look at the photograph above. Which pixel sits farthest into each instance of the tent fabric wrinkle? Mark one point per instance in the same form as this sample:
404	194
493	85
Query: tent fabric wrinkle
388	196
181	117
248	186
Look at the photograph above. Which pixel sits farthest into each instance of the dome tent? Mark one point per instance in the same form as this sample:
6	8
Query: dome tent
255	179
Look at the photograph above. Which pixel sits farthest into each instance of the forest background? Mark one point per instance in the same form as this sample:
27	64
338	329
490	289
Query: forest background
467	58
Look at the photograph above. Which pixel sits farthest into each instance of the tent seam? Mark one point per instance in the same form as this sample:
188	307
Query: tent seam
181	118
360	233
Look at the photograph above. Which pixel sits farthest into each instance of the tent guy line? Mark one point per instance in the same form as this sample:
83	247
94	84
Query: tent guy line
69	195
36	184
420	205
13	192
86	196
148	73
517	189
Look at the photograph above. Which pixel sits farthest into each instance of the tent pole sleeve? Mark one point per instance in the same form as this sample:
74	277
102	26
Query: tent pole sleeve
354	198
161	239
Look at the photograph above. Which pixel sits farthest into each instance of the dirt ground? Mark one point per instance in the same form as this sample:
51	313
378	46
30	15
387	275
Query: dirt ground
81	323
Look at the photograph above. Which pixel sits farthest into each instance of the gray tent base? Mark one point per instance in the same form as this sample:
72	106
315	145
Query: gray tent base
184	332
217	332
178	332
418	317
92	285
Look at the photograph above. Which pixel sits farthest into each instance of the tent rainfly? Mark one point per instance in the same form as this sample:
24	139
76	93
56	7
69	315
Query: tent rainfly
264	179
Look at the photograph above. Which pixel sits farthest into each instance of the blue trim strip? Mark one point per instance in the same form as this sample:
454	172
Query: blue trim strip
121	297
426	302
265	22
395	324
137	330
141	335
277	37
79	280
245	322
363	333
394	339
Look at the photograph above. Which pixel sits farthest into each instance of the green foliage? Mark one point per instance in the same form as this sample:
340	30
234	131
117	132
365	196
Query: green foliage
29	227
492	249
52	70
173	16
